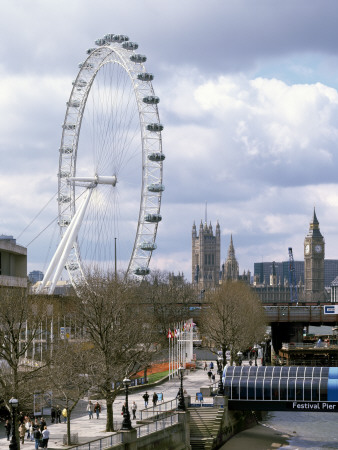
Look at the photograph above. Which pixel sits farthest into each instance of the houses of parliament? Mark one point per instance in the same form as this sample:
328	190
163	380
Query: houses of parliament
316	277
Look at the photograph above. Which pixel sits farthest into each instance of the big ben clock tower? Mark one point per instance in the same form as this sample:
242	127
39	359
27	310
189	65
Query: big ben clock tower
314	253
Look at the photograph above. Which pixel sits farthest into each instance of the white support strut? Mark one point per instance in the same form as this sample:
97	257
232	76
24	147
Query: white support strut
60	256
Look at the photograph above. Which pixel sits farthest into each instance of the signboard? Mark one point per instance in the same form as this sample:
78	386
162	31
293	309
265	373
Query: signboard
330	309
65	332
315	406
42	403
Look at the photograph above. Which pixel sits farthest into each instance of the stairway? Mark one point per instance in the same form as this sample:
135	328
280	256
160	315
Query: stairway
205	424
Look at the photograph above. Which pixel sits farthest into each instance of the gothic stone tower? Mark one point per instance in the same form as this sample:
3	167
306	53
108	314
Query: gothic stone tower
206	254
230	267
314	253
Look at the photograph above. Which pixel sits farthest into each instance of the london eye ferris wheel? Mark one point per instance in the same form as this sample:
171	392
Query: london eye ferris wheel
110	166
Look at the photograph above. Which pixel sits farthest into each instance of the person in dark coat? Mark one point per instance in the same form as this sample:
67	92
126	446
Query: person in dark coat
42	424
58	414
146	398
53	414
8	427
155	398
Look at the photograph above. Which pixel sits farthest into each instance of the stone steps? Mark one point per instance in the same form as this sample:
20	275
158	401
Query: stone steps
205	425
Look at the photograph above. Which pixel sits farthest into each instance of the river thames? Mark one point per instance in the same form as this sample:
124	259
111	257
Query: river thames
292	430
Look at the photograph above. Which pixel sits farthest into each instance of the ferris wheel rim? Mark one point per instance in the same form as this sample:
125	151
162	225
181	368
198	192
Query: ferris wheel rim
152	169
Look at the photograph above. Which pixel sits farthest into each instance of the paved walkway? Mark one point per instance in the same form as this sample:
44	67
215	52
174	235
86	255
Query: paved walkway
95	428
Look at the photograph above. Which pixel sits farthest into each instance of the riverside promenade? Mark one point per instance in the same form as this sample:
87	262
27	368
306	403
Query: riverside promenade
95	428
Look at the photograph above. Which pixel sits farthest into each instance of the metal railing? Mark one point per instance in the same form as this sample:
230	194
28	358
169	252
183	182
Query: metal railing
152	411
157	425
100	444
292	345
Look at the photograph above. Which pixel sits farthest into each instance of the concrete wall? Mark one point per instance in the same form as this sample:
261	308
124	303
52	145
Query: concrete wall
176	437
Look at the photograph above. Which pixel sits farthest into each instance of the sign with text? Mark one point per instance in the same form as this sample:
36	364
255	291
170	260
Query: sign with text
314	406
330	309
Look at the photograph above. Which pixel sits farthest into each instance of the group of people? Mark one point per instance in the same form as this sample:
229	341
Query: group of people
210	373
91	409
33	430
145	397
155	399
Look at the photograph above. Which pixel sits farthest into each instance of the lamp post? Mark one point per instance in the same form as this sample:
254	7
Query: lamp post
220	390
255	347
126	423
181	404
240	358
263	343
14	405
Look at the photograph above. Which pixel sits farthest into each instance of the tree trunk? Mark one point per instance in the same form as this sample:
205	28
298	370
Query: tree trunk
68	427
110	419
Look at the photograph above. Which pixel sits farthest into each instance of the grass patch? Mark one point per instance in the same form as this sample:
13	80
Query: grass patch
153	377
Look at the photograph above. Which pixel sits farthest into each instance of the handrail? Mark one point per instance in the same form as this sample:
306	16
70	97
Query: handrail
157	425
152	411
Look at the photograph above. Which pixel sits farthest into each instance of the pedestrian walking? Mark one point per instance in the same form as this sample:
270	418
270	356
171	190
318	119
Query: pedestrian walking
97	409
43	423
213	377
37	437
28	425
155	398
52	414
209	375
58	414
45	437
205	365
22	432
8	427
134	409
31	431
64	414
146	398
90	409
124	409
211	365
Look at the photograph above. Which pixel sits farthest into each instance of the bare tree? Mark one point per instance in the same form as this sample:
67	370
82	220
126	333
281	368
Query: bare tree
69	375
169	300
118	328
233	318
20	326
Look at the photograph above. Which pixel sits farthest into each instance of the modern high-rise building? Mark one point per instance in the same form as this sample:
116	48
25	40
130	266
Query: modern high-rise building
35	276
206	256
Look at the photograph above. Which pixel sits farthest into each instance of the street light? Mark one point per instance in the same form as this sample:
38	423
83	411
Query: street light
126	423
263	343
181	404
220	390
255	347
14	404
240	358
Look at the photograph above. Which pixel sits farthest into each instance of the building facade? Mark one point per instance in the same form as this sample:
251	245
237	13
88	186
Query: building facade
230	270
13	263
206	256
314	252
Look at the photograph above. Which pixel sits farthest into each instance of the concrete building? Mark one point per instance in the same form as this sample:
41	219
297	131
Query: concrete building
13	263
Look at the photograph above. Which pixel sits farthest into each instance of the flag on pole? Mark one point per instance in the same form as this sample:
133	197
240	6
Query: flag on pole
170	335
177	332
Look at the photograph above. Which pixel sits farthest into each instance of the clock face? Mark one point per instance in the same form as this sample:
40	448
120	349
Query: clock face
318	248
307	249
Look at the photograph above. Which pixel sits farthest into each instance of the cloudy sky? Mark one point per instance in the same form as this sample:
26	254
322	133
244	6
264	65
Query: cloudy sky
249	102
